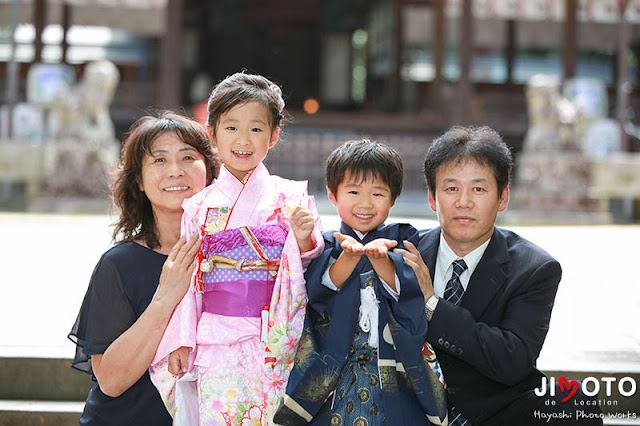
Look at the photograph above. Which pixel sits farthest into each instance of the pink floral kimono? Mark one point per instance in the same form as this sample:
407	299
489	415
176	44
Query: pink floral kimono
240	359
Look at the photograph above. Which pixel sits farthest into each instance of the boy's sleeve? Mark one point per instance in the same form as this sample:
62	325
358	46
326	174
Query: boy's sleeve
393	293
326	277
320	296
400	233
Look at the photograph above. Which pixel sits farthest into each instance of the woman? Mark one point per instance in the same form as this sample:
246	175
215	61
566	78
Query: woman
137	283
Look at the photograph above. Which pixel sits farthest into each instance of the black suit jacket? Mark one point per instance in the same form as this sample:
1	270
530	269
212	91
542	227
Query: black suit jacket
488	345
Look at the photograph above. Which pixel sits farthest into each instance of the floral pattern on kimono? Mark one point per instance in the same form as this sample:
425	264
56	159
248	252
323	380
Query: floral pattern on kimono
251	388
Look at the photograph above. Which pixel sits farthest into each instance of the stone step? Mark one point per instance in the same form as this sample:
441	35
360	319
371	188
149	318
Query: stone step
38	413
48	388
44	379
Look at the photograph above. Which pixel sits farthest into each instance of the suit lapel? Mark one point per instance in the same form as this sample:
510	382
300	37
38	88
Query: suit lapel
428	248
488	277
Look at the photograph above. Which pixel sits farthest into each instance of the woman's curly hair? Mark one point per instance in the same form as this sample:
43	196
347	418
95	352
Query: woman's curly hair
135	216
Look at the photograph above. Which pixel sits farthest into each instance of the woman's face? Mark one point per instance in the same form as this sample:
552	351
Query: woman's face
172	172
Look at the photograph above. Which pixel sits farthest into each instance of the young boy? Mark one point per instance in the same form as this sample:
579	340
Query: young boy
361	358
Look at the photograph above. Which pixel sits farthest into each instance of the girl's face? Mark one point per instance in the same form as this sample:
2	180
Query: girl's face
244	136
172	172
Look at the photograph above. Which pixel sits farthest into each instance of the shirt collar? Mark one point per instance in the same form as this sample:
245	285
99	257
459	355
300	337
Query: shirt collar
359	234
446	256
228	182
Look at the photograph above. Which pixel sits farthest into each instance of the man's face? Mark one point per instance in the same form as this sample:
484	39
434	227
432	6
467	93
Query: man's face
467	202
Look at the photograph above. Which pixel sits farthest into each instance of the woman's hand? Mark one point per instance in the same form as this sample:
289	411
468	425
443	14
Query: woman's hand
302	225
130	355
177	271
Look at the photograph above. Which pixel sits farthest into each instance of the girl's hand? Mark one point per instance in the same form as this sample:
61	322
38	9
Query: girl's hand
177	271
302	225
179	361
349	244
379	248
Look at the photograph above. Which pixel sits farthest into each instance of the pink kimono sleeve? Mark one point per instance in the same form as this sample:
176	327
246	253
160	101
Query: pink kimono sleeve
181	330
316	236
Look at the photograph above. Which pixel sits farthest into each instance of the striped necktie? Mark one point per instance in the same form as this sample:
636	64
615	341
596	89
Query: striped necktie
454	291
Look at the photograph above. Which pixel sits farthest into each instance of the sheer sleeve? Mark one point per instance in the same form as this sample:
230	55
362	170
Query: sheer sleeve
105	314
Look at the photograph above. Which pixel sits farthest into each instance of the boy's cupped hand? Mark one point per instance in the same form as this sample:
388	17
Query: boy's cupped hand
349	244
379	248
373	249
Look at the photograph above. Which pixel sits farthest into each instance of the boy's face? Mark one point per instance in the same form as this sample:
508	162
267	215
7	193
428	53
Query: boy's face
362	204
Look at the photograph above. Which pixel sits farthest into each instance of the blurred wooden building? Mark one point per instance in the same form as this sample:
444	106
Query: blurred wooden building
422	65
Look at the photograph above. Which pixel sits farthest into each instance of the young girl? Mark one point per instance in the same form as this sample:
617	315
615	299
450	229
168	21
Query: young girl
237	330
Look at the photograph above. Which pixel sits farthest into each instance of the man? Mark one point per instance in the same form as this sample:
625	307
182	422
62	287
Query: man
488	292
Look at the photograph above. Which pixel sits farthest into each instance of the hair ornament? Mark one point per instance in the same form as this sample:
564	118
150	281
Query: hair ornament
278	92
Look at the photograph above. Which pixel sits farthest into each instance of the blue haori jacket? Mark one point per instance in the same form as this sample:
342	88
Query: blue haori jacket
412	385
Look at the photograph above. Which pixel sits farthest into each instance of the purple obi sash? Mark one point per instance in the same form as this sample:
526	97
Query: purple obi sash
235	293
244	298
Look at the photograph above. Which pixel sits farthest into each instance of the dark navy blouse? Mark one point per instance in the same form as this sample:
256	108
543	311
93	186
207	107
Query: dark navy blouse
121	287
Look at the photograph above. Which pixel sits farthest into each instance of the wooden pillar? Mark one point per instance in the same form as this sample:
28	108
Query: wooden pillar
39	23
13	71
623	86
510	51
465	52
396	81
66	23
170	90
437	46
570	38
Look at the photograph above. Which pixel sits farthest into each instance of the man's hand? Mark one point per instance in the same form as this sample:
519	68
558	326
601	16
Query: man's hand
412	258
302	225
379	248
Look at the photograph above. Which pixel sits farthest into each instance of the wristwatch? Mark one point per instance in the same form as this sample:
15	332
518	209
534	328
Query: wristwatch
430	306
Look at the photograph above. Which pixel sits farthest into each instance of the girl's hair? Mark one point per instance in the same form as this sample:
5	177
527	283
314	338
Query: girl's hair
363	160
136	218
241	88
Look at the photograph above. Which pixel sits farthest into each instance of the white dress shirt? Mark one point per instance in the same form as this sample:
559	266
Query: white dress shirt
444	267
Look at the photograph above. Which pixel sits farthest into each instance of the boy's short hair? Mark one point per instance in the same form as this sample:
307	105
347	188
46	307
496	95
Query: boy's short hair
481	144
365	159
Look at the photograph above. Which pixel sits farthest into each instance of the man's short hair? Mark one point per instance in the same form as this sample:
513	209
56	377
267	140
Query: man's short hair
364	159
459	144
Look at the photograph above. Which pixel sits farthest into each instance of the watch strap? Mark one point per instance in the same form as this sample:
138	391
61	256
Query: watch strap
430	306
